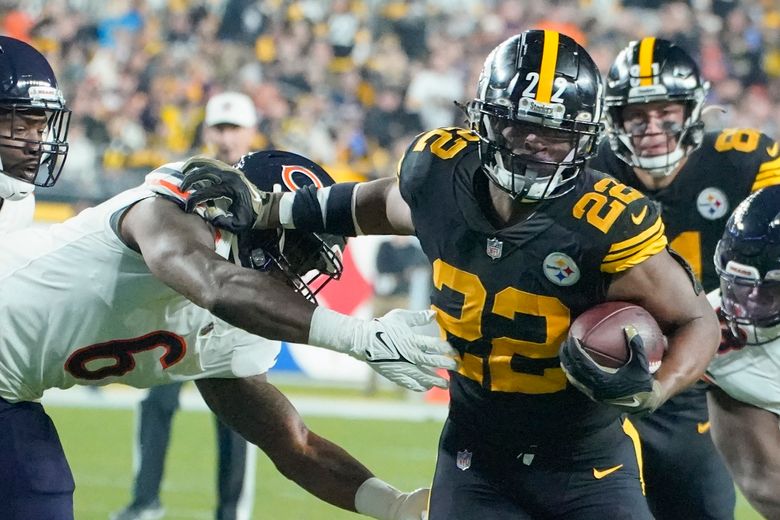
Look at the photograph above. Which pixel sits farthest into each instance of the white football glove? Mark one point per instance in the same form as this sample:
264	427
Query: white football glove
380	500
388	344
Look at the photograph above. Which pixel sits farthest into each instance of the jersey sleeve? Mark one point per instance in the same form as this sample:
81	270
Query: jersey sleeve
638	234
768	173
429	153
166	181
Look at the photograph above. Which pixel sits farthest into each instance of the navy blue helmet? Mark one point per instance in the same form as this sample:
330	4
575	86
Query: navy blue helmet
309	260
747	259
33	120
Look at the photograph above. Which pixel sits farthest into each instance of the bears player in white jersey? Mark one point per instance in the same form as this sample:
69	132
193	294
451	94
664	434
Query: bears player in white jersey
33	130
744	405
137	291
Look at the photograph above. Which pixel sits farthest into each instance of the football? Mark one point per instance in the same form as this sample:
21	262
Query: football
600	329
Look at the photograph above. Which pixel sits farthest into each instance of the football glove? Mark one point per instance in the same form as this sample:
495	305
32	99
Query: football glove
213	182
380	500
388	344
631	387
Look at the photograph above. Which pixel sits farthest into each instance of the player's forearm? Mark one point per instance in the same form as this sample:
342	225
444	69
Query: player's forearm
324	470
691	348
259	304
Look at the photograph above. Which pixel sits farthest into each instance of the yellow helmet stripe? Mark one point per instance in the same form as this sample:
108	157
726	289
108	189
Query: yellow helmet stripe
646	47
547	69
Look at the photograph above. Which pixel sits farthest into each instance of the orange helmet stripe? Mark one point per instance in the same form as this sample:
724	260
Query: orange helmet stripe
646	47
547	69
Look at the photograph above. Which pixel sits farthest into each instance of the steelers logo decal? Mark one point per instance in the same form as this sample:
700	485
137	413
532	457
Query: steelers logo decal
712	203
560	269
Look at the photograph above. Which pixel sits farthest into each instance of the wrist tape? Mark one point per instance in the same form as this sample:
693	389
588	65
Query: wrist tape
329	210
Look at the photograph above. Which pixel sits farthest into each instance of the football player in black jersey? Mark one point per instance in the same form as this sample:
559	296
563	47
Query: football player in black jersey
523	239
657	144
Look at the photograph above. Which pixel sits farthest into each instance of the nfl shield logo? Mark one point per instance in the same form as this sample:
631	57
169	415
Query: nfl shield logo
463	460
494	247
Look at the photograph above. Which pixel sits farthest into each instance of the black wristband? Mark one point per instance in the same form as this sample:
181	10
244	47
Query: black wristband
307	214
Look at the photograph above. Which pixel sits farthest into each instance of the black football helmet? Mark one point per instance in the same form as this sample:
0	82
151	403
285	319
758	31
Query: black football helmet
308	260
747	259
29	91
538	82
650	70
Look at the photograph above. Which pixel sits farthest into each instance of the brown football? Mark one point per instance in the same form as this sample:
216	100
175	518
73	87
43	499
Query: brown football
600	329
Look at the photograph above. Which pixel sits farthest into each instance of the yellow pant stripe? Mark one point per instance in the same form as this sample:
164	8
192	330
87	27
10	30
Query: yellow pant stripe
630	430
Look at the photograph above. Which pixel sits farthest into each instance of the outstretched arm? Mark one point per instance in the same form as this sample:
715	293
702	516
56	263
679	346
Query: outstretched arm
264	416
178	248
371	208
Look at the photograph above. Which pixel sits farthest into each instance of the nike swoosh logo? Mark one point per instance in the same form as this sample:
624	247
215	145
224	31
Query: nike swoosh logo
391	353
703	427
637	219
773	150
599	474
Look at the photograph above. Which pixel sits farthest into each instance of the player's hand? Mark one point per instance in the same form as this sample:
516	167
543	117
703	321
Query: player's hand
388	344
631	387
412	506
242	205
395	351
380	500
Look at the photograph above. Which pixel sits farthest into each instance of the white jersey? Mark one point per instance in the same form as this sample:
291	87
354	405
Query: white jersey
750	374
77	306
16	214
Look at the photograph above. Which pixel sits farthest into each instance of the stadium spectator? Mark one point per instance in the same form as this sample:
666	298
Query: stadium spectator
131	55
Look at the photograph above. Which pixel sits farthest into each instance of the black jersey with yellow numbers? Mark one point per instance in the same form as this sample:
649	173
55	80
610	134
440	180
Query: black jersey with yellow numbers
506	297
727	167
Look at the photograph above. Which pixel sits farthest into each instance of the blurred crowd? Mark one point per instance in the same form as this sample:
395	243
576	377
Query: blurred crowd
346	82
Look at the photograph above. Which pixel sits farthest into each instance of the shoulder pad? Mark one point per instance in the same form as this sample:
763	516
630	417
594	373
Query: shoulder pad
630	222
166	180
429	150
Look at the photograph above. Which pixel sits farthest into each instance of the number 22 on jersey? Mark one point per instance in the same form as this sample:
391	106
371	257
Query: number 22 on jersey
514	364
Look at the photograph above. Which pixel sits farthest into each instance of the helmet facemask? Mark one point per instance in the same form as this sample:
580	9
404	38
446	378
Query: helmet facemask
308	261
27	162
516	167
750	303
681	139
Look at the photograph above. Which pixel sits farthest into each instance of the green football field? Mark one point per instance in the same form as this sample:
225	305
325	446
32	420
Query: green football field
98	445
